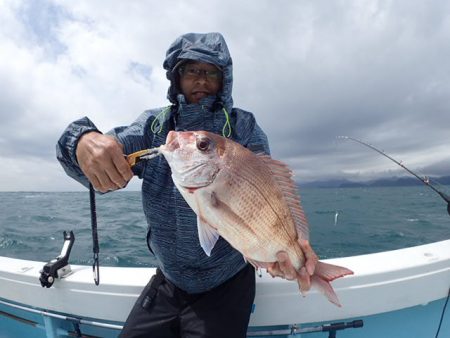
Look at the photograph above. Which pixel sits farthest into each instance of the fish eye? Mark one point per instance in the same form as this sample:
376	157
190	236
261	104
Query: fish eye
203	143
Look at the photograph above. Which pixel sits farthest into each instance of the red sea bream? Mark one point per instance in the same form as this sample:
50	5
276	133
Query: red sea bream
250	200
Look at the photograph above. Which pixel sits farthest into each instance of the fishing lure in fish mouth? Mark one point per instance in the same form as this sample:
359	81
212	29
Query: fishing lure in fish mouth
424	180
138	156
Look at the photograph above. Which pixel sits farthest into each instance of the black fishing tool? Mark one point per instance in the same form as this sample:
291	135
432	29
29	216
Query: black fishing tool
58	267
95	246
424	180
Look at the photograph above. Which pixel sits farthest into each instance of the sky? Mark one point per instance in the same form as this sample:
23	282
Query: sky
310	71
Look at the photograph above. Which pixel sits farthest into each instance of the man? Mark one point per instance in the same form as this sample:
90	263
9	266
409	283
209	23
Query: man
192	295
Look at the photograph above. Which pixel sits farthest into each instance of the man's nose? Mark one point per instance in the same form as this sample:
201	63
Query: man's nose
201	78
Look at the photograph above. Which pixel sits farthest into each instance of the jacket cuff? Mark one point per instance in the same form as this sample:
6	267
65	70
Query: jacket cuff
73	134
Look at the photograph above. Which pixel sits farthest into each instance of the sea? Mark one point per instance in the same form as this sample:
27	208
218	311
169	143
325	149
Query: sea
343	222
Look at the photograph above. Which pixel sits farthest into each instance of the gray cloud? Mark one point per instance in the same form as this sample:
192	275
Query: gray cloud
310	71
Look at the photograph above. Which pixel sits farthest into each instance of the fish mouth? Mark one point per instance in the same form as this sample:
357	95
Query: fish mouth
175	139
183	173
172	141
192	189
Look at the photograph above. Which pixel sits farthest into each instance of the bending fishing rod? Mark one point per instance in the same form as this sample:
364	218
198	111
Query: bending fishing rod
425	181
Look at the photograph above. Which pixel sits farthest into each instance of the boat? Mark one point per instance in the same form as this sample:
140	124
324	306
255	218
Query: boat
392	294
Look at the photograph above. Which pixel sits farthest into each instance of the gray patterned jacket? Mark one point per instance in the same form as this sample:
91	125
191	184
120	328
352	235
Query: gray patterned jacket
172	225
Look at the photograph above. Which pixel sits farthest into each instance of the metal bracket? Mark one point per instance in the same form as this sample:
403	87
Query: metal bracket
58	267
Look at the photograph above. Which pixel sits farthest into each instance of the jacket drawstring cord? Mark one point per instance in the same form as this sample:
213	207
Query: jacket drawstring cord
158	122
227	125
157	125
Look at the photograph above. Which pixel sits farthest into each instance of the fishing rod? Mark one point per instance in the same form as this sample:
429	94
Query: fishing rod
424	180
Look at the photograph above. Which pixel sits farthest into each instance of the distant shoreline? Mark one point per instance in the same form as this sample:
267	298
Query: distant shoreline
403	181
383	182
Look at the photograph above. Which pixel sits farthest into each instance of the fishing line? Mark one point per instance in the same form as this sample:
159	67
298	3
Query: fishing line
424	180
336	192
336	213
442	315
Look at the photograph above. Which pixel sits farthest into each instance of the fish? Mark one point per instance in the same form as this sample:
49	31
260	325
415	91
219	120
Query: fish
250	200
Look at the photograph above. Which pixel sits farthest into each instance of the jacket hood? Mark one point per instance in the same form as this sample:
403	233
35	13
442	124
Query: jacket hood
209	48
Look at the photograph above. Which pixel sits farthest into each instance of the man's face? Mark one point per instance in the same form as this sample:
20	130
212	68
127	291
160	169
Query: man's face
199	80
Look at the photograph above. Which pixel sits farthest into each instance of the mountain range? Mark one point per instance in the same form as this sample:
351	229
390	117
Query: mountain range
403	181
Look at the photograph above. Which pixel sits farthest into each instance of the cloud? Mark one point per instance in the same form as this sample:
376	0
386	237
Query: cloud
310	71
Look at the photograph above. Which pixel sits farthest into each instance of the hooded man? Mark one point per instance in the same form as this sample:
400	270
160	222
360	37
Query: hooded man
192	295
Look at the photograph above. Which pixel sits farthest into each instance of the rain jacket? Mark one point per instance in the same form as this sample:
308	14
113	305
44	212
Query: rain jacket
172	226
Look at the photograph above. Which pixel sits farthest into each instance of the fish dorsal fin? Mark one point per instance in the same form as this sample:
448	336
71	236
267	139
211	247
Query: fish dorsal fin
283	176
208	236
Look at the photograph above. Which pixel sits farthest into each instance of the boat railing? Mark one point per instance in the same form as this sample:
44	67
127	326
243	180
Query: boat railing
292	330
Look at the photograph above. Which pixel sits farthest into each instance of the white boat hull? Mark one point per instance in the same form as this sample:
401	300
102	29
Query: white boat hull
383	284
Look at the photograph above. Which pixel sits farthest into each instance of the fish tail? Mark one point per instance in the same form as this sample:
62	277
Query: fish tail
323	275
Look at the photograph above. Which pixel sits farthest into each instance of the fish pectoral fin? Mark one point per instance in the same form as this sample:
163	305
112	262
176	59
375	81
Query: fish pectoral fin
208	236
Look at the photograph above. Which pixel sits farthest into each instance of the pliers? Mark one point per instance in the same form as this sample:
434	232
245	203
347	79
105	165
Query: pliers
140	155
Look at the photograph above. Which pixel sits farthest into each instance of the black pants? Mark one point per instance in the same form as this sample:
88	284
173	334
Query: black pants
165	311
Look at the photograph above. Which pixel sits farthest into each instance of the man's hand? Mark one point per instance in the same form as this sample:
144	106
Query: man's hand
283	267
101	159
